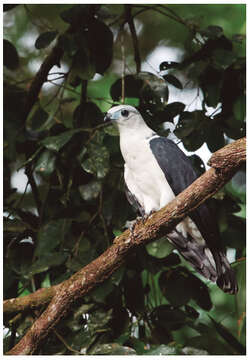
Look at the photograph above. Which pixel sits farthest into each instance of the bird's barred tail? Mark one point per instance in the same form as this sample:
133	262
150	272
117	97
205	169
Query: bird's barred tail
213	265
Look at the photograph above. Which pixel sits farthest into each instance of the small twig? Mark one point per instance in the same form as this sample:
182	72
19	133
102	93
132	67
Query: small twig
35	193
65	343
102	217
130	21
123	67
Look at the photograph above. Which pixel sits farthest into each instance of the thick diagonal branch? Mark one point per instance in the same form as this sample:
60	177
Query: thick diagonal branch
156	226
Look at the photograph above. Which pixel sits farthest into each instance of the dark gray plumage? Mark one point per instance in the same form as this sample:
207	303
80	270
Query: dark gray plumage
155	171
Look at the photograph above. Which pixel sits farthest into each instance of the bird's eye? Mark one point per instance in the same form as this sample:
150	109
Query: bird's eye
125	113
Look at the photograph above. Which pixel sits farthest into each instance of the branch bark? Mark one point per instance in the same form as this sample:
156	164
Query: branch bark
41	77
225	161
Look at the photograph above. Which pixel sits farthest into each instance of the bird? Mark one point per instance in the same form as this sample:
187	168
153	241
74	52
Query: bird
156	170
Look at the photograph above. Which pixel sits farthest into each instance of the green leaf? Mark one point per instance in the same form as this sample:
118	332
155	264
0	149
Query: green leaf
75	13
45	39
173	81
45	164
175	286
47	261
113	349
228	337
223	58
239	108
10	55
55	143
212	31
159	248
97	162
46	283
90	191
168	317
163	350
242	212
50	236
36	118
189	350
7	7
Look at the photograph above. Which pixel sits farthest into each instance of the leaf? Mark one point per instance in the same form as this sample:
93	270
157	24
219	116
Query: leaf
212	31
55	143
173	81
240	268
45	39
189	350
10	55
223	58
193	141
168	317
36	118
8	7
175	286
242	212
100	293
159	248
100	43
82	66
173	109
45	164
214	138
87	115
179	286
113	349
228	337
239	108
163	350
47	261
132	88
90	191
76	13
50	235
97	162
198	164
68	44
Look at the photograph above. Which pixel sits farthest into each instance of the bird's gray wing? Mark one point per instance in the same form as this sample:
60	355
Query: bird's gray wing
179	173
133	201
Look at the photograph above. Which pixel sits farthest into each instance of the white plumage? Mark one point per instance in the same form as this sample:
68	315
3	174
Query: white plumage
155	171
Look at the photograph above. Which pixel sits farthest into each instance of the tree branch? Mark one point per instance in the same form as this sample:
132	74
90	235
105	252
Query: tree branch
130	21
41	77
155	227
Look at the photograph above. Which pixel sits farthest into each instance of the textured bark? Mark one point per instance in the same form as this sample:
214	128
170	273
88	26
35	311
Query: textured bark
41	77
156	226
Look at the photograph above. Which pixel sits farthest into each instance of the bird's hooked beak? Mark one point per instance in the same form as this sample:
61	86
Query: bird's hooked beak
107	118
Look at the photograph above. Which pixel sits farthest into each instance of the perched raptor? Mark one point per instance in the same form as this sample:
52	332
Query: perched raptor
155	171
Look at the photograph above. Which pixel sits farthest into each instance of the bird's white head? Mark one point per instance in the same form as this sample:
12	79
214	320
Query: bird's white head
125	117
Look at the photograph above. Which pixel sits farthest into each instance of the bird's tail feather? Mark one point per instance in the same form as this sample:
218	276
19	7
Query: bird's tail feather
213	265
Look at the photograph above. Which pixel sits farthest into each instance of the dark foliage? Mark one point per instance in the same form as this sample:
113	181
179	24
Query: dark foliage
75	203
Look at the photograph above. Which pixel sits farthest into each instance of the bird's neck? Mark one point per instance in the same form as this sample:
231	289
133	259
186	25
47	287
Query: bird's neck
131	138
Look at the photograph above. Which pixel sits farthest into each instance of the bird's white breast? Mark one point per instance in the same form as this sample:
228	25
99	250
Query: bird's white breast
144	176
